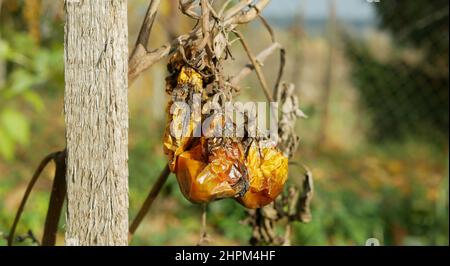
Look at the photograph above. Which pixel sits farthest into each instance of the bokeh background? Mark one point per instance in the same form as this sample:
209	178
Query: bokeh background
371	75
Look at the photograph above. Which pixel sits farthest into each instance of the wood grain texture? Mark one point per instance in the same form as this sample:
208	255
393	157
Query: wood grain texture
96	116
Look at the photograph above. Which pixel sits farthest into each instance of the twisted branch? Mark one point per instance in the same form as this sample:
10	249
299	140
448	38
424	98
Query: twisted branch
57	197
25	197
256	66
141	59
154	192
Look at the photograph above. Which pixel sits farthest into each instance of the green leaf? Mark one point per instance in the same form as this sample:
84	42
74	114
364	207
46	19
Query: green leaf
15	125
10	54
41	64
6	146
5	50
21	80
34	99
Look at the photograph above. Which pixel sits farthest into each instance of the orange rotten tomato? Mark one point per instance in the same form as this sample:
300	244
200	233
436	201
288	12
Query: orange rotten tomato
213	168
211	171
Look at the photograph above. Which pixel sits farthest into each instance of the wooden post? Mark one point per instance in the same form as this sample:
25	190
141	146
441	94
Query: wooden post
96	116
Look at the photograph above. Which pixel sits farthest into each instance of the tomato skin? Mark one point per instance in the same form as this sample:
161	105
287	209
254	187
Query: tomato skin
204	178
188	81
207	178
268	173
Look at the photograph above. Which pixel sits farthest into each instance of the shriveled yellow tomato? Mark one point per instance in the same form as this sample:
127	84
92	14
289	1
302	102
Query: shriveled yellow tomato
188	76
173	145
267	171
176	140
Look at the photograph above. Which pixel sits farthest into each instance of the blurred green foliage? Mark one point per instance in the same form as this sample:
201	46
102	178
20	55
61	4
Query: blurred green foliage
32	67
379	193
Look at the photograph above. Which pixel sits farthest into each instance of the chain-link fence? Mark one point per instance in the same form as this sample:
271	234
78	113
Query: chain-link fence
393	66
404	85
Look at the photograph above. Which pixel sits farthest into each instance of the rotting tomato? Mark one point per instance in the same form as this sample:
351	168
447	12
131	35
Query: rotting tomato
188	82
268	172
212	168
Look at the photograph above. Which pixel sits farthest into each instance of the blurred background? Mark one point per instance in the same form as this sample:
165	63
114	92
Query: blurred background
371	75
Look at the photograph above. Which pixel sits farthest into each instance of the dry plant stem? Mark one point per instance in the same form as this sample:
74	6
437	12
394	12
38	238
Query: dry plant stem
204	238
236	8
260	58
146	60
292	200
268	27
282	55
30	186
149	200
280	72
257	67
303	206
140	56
212	10
287	235
57	198
142	59
224	7
147	25
204	212
186	8
249	15
206	28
